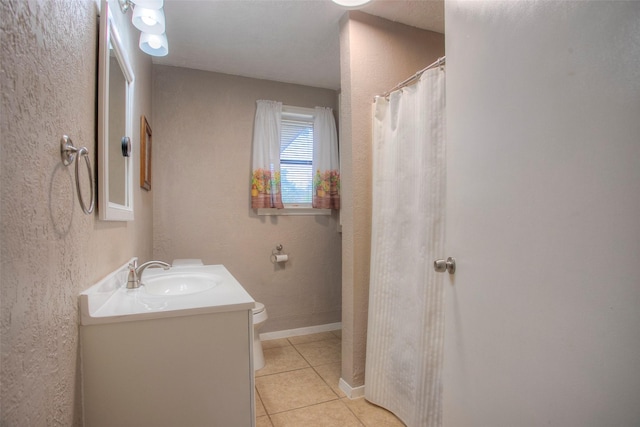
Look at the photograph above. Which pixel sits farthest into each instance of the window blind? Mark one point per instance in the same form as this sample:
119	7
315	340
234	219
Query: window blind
296	158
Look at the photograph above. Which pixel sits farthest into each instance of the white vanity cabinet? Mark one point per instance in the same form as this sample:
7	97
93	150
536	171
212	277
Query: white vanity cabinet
179	371
160	367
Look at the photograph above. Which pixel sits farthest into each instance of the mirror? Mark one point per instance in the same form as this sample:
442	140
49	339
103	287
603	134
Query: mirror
115	100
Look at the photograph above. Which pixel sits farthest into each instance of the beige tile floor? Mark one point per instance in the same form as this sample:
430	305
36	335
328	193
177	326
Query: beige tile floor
299	387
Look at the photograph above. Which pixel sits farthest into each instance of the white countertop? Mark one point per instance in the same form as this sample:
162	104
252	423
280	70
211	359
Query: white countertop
109	301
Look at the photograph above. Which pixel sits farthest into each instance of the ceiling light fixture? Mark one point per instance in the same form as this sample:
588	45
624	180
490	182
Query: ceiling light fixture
148	17
351	4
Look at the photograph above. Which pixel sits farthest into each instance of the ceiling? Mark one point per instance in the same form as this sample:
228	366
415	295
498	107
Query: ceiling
292	41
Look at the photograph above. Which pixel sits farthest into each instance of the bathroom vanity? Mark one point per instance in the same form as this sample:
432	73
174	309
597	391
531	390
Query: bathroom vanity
182	358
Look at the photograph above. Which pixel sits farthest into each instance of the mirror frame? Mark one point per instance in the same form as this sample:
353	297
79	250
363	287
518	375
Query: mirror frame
145	154
108	210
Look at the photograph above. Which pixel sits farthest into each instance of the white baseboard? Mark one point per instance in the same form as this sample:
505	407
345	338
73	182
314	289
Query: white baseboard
351	392
301	331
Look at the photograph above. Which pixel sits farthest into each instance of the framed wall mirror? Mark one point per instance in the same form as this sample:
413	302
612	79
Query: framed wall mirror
115	102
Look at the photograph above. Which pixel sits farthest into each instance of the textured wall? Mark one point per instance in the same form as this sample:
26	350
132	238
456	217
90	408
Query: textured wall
376	54
51	250
202	134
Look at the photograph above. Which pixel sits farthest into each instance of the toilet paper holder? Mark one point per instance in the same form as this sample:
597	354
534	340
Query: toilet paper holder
277	255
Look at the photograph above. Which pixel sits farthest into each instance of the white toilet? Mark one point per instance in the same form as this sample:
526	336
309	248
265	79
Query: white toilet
259	316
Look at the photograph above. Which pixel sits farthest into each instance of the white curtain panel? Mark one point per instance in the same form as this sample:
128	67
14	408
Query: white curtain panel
326	166
325	140
265	180
406	296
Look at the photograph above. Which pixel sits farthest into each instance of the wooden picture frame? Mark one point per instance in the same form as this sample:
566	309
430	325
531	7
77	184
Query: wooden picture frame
145	154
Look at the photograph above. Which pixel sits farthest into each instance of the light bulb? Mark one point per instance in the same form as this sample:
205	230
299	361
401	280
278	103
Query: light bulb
351	4
149	20
155	42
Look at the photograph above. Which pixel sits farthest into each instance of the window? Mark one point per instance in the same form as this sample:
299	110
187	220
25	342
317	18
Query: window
296	156
295	168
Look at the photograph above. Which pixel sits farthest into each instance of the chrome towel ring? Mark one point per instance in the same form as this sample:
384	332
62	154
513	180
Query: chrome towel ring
68	153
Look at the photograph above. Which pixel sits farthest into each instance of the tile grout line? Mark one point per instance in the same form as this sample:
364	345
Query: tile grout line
354	414
301	355
361	422
266	413
314	367
284	372
337	397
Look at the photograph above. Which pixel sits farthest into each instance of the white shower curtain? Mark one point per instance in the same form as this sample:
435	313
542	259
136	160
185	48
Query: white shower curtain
406	321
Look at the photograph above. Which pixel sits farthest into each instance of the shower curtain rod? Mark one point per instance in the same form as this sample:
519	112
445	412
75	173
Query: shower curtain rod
440	61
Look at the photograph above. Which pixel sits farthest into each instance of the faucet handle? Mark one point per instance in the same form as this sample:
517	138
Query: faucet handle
133	281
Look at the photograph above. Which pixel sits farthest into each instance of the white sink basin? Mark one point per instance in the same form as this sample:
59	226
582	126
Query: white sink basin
179	283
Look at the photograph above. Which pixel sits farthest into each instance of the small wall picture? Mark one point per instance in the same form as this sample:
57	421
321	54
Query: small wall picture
145	154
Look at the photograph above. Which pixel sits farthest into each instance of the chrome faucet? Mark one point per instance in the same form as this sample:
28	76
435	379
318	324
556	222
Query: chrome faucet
135	272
